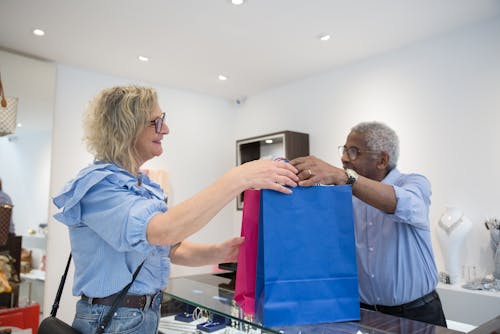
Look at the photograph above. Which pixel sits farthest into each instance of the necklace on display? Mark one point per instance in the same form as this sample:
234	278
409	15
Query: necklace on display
448	225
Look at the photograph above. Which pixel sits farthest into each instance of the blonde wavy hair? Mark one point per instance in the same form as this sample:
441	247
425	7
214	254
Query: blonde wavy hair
113	122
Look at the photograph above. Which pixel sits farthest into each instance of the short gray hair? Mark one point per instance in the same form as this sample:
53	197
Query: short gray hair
380	137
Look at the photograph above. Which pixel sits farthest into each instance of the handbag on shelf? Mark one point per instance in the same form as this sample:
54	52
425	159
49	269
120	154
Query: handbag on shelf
306	262
5	219
53	325
8	112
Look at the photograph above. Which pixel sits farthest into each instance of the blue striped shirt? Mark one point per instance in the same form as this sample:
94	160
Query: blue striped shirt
107	212
395	258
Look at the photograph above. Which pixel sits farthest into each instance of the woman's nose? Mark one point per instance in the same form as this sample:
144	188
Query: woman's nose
165	129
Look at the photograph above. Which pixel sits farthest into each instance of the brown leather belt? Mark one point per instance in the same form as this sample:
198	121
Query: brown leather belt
132	301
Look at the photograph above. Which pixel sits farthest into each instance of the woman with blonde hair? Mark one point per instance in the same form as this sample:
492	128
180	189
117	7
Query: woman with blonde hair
118	218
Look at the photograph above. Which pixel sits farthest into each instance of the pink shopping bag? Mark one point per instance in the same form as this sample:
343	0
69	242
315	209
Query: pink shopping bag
244	292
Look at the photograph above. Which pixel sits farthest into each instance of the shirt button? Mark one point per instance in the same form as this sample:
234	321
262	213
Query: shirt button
370	223
372	276
370	249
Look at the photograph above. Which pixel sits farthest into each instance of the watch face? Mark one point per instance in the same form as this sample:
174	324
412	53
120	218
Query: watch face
352	176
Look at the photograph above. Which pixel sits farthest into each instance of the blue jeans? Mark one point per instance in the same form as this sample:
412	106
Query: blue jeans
125	320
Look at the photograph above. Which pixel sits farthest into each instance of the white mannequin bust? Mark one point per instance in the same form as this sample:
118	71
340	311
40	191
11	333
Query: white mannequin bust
452	229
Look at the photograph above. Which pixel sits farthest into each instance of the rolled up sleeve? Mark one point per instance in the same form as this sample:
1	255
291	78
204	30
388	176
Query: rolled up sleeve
413	200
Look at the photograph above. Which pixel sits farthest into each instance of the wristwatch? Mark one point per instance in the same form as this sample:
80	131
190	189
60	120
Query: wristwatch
352	176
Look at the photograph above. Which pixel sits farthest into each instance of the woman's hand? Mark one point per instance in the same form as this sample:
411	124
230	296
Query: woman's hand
228	250
268	174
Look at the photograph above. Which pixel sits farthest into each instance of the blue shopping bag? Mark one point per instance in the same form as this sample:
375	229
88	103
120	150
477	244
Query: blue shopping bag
306	261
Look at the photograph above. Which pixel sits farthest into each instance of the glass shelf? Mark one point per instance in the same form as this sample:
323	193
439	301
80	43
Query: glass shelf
214	293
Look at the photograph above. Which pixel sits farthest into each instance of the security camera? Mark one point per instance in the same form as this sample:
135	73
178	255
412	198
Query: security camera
241	100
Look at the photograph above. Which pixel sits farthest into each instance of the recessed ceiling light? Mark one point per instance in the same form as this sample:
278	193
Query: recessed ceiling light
324	37
19	125
269	141
237	2
38	32
222	77
143	58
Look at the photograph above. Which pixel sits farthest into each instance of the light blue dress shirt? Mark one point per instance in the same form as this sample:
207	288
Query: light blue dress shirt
394	251
107	212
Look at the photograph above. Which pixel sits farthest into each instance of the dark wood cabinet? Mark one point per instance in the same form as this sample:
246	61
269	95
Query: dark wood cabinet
285	144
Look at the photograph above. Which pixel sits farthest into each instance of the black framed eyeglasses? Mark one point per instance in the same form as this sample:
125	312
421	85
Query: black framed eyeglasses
158	122
353	152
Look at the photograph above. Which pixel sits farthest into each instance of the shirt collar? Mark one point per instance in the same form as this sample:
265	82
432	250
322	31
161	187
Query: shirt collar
392	176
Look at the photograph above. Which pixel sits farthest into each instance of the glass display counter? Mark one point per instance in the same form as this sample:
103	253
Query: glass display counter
213	294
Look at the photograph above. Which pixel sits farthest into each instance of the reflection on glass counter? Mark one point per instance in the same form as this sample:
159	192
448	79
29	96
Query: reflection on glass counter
213	294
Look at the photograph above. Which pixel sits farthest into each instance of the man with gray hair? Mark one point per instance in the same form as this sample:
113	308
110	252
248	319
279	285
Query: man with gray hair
397	272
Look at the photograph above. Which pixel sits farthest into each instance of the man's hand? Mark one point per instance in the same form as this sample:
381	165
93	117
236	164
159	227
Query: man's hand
312	170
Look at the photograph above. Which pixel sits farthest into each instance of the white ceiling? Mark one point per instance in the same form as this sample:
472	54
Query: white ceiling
259	45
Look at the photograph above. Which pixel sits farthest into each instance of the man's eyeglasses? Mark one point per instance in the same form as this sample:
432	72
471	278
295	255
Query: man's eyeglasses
353	152
158	123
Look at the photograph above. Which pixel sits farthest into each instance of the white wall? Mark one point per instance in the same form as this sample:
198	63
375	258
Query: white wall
25	155
199	148
441	96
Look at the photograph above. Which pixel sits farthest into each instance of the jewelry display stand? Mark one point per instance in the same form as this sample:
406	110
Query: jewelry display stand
453	226
493	225
495	244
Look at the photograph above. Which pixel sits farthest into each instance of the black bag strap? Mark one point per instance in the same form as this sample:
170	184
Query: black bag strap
55	306
107	318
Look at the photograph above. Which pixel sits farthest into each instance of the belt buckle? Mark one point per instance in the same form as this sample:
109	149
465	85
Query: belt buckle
147	302
153	301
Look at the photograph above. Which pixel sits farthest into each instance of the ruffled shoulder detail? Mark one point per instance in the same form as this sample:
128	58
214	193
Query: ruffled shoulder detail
73	192
88	177
150	186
